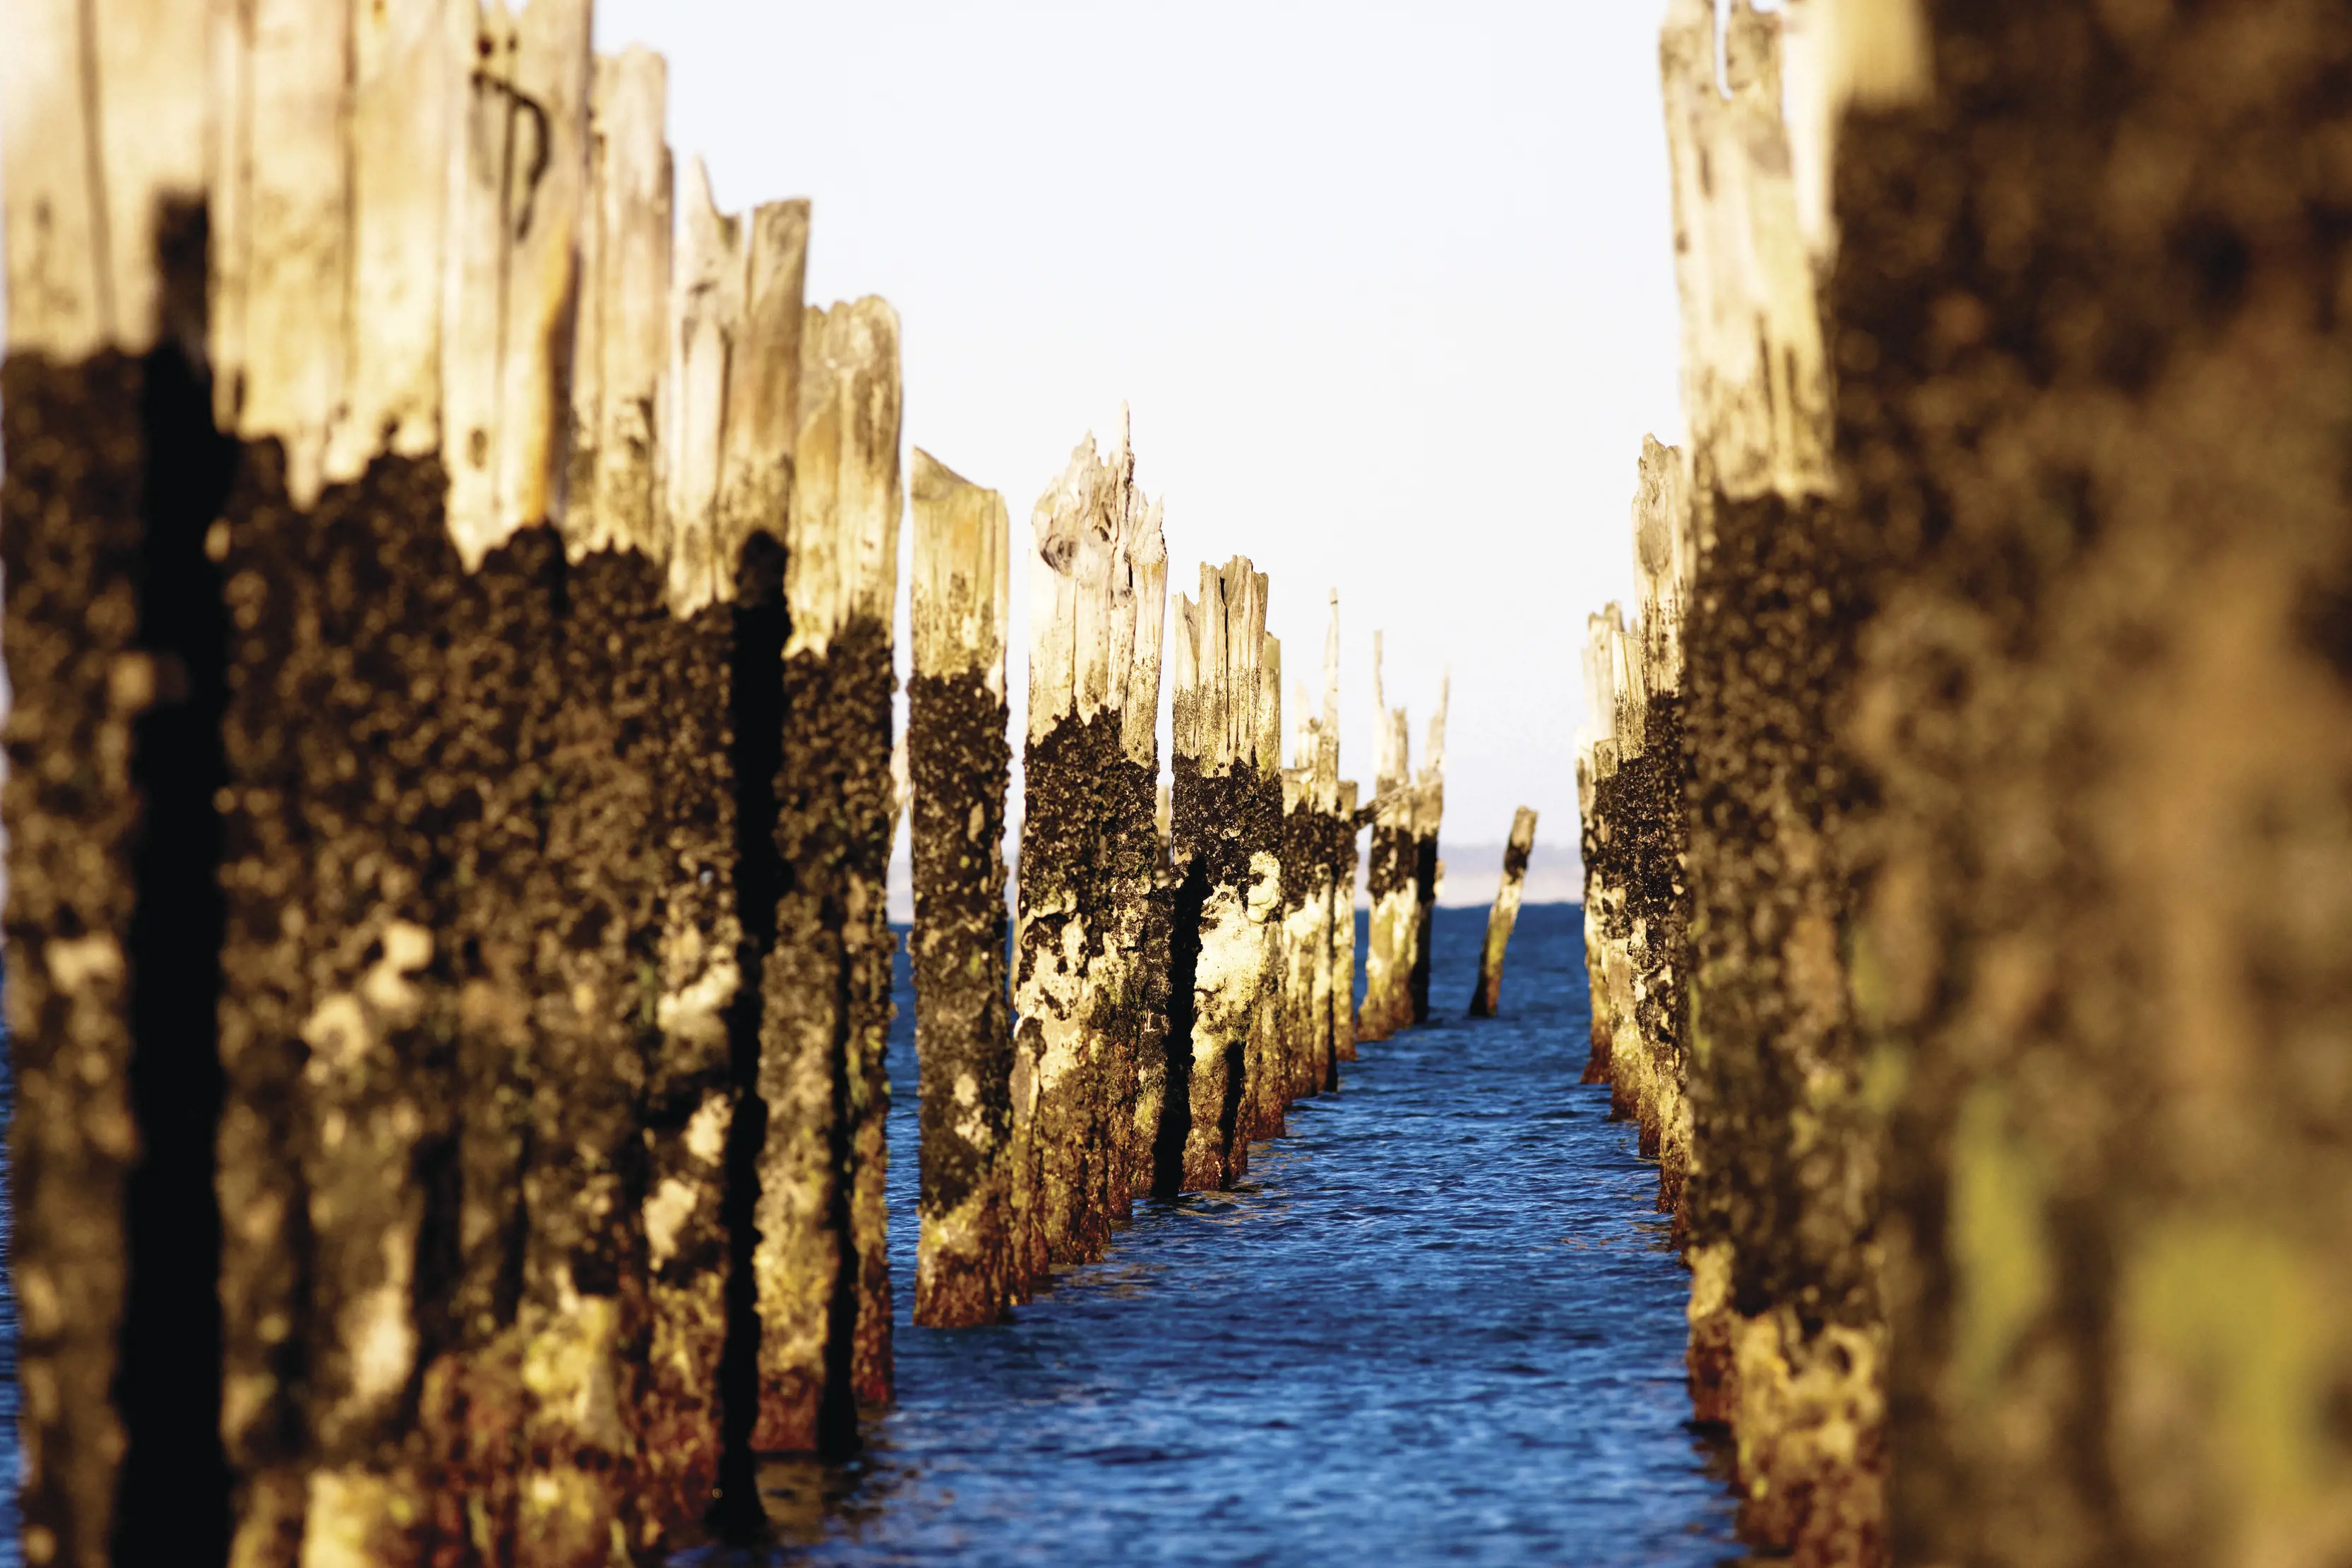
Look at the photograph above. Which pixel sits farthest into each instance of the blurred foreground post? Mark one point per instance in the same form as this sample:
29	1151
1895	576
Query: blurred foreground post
2102	935
1485	1000
958	763
114	649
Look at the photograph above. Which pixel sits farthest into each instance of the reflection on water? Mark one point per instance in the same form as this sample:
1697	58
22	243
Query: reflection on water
1439	1323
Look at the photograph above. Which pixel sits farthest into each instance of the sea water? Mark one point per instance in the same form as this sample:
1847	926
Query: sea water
1438	1323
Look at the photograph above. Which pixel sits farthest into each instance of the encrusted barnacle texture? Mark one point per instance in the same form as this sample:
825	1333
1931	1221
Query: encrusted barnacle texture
821	1272
1227	843
958	762
1089	950
2093	356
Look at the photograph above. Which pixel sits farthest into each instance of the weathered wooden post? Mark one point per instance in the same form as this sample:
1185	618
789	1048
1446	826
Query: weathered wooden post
710	381
1225	838
340	138
1428	870
1486	997
1346	828
2104	930
1312	899
1786	1332
821	1269
1395	897
959	761
1097	578
1269	1047
114	647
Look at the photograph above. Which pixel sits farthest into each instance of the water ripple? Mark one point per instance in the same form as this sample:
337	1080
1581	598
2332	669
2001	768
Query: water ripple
1439	1323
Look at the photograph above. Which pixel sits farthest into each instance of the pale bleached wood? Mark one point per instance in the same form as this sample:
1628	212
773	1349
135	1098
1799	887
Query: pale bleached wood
281	346
765	372
408	64
1388	959
707	311
621	351
842	563
518	176
1665	559
1755	381
1098	594
961	590
1487	996
103	115
61	285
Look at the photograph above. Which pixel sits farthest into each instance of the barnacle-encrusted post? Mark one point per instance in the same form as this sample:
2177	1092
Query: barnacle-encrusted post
959	764
1086	976
821	1270
1226	841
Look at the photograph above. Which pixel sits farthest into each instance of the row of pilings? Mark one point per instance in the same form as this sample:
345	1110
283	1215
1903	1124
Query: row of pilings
450	574
1968	812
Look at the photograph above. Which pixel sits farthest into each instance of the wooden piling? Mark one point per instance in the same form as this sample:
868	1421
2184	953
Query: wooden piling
1428	870
697	366
1086	919
959	761
1311	895
822	1271
1788	1340
113	648
1225	842
1392	886
1346	831
1486	997
2103	701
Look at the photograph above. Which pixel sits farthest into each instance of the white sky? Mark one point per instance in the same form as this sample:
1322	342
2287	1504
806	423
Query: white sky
1390	289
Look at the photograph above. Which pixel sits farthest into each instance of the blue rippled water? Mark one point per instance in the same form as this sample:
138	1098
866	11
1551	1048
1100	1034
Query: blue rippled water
1439	1323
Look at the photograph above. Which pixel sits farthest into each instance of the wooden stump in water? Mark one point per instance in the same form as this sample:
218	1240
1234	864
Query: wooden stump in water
1312	897
1486	997
821	1273
1428	807
1634	771
1088	853
1225	840
1345	830
713	379
1395	897
959	761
